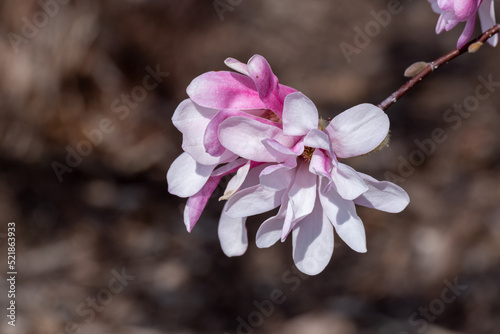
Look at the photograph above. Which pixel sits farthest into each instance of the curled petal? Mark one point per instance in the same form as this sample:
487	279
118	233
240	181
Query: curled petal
358	130
269	89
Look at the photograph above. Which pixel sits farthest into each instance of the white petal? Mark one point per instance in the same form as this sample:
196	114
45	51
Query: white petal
270	231
252	201
244	136
313	242
342	214
347	182
232	235
237	66
358	130
318	139
192	120
236	181
186	177
383	195
487	17
299	115
302	196
278	177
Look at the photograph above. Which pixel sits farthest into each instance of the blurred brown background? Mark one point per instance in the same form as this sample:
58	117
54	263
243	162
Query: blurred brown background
112	212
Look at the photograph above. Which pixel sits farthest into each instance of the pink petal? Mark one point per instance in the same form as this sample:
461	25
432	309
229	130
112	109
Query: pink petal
342	214
347	182
252	201
446	5
232	235
244	137
225	90
299	115
358	130
487	17
192	120
321	164
267	83
383	195
467	33
196	203
465	9
186	177
441	24
312	241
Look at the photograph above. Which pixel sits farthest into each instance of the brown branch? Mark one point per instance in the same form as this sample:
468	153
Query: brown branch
435	65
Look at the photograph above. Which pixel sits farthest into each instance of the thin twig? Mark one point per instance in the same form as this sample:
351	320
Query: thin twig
434	65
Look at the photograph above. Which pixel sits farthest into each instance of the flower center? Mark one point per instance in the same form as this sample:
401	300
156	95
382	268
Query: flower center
271	115
308	153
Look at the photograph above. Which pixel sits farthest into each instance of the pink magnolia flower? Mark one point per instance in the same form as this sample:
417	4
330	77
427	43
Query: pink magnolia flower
316	194
254	93
454	11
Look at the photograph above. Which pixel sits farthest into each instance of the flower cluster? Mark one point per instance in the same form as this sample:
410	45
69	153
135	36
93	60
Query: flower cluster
282	155
453	12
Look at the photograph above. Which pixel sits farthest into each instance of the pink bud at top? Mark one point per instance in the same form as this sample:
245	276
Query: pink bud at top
453	12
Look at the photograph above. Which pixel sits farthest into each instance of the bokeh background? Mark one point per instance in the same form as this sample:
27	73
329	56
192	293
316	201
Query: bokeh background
112	212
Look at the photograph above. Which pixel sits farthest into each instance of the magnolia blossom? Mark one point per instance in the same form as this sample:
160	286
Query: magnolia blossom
254	93
282	155
316	194
454	11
